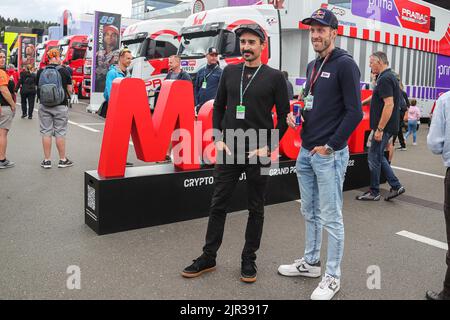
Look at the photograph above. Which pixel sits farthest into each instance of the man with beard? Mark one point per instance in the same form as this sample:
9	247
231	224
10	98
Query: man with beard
108	56
246	95
331	113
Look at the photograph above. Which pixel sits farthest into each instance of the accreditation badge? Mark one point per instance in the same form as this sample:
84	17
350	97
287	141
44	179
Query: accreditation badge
309	100
204	85
240	112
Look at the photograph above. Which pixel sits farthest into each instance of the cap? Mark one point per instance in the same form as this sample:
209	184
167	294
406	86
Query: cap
53	53
253	28
324	17
112	28
212	50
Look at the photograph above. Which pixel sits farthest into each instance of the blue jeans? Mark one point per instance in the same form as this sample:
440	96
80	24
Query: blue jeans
321	180
412	128
377	162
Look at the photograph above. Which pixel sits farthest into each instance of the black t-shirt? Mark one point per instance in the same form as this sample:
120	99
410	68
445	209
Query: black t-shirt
65	78
267	89
387	86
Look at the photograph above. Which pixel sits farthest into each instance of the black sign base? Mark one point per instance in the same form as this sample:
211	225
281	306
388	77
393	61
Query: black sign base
159	194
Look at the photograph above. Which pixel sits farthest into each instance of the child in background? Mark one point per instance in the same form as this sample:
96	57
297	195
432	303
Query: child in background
413	115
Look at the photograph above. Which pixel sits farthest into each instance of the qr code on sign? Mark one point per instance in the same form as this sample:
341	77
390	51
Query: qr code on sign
91	197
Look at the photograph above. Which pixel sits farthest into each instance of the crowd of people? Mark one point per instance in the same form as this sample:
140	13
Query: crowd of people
244	95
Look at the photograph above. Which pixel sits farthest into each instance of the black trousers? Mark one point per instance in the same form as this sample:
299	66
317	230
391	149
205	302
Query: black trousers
226	177
401	139
447	225
27	101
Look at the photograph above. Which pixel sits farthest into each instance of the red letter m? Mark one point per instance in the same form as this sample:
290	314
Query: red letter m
129	114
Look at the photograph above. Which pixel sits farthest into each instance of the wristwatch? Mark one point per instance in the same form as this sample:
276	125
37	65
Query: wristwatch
380	129
328	149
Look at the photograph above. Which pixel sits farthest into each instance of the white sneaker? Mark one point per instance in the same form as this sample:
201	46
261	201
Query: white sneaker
414	144
300	268
326	289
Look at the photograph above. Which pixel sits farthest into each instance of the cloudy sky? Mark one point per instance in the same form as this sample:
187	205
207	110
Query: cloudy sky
51	10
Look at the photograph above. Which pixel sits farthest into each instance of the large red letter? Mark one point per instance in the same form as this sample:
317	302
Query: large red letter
129	114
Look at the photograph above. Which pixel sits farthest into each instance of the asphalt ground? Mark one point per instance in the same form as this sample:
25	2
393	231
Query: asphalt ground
42	233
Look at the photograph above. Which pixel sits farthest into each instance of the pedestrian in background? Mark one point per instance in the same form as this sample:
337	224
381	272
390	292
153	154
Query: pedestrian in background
54	88
27	86
413	117
290	87
7	112
384	121
207	80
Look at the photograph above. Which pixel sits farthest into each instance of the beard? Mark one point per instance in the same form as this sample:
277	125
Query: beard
325	45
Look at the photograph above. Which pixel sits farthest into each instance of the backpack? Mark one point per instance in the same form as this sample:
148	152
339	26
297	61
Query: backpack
402	103
29	84
51	91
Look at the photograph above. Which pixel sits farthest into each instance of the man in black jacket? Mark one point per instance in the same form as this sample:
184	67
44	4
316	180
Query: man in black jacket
207	80
245	98
27	85
331	113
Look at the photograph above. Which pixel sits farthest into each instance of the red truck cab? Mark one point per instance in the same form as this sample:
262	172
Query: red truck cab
73	51
41	54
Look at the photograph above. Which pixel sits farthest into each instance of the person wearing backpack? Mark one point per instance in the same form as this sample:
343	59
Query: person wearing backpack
27	86
54	85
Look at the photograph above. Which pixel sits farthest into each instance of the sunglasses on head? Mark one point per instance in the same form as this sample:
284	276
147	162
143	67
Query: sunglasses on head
123	51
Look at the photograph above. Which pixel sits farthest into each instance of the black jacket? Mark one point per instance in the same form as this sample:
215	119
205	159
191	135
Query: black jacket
336	108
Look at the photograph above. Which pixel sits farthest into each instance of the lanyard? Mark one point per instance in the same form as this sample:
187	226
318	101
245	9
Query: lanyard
312	82
248	84
206	77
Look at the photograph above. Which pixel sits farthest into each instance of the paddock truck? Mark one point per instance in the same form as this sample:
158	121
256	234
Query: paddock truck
151	43
73	50
41	52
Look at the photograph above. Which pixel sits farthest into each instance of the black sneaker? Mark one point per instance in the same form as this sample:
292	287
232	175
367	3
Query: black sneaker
64	164
248	271
23	116
394	193
201	265
368	196
6	164
46	164
431	295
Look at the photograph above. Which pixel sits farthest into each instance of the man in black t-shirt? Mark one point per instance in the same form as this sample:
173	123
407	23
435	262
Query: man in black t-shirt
246	95
384	121
53	120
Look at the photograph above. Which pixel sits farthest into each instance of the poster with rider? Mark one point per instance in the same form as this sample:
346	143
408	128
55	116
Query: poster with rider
27	49
106	47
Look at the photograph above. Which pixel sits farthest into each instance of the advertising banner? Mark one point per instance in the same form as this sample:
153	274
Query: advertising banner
106	47
442	74
400	13
27	53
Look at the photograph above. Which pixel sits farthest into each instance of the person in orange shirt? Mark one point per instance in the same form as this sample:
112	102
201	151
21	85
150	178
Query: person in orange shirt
7	112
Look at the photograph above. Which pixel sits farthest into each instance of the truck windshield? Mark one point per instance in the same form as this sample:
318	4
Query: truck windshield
39	54
195	46
64	49
78	54
134	46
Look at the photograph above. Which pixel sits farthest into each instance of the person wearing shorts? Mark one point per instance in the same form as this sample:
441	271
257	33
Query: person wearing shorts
53	120
7	112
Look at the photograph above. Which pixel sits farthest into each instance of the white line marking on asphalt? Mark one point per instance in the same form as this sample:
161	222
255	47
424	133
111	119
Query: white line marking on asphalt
84	127
429	241
419	172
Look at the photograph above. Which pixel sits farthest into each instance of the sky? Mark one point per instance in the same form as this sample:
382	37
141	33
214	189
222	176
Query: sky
51	10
